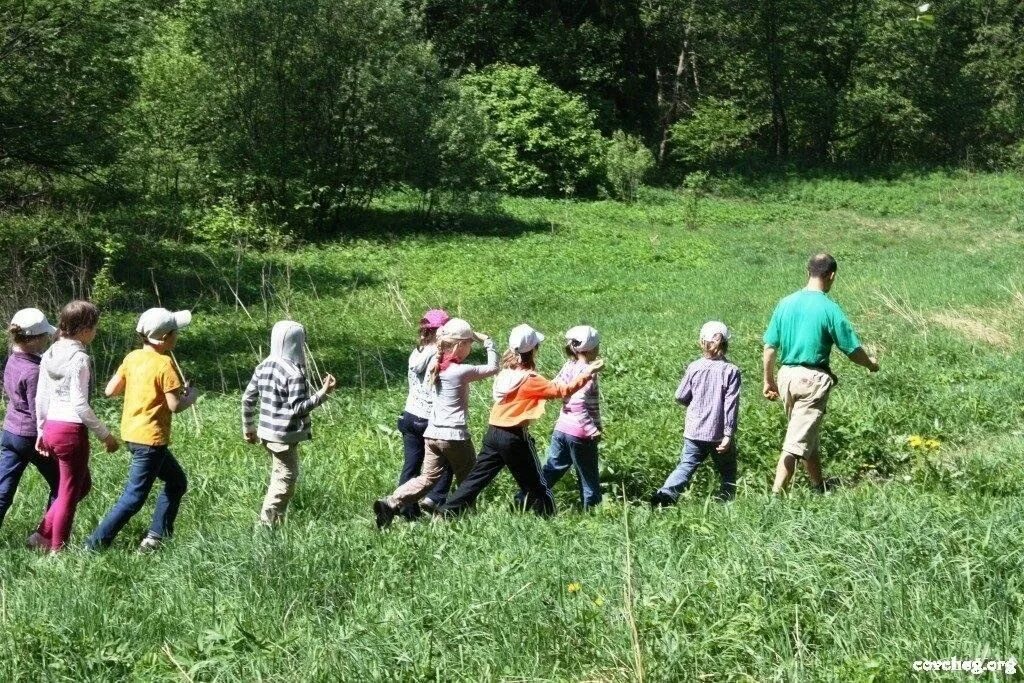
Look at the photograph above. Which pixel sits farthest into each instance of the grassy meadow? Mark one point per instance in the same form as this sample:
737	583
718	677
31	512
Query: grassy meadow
916	556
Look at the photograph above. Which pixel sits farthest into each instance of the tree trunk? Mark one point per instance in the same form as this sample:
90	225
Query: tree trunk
773	51
672	111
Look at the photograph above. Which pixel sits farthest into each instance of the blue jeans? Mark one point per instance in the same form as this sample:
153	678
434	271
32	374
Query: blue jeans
412	428
16	454
568	451
694	453
149	463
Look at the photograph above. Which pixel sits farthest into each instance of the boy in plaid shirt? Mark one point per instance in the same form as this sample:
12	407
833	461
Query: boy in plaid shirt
710	390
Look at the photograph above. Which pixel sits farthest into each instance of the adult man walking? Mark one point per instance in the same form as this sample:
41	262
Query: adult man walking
800	336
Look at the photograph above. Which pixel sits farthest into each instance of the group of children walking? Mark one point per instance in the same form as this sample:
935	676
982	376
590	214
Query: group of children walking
48	419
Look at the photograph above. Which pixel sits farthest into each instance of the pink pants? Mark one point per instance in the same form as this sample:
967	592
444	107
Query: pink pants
69	444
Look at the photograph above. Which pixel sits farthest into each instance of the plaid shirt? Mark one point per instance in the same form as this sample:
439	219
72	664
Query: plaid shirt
284	402
710	390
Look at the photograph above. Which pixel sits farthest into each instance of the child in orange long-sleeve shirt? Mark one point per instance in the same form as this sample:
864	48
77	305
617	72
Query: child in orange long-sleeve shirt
519	396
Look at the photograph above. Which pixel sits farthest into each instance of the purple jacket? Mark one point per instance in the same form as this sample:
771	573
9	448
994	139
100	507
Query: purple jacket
21	375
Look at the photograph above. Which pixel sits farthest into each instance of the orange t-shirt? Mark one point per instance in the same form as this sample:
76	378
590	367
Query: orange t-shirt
145	418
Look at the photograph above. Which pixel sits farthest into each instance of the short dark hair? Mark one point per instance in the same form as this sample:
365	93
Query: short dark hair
76	317
821	265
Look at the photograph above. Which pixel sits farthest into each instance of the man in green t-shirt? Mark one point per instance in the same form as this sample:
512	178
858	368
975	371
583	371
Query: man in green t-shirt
800	336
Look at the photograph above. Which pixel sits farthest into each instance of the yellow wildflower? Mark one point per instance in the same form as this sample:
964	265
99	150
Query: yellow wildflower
599	601
575	587
916	441
932	444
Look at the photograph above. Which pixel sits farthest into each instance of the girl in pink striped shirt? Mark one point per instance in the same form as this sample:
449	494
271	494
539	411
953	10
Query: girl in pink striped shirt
578	429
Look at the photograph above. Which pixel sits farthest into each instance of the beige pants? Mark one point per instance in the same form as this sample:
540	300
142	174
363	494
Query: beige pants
283	475
459	455
804	393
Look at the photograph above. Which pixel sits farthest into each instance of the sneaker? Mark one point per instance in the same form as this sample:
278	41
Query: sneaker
37	542
661	500
384	513
150	543
428	506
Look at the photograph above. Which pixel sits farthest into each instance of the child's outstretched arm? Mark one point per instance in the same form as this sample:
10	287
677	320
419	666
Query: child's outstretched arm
538	387
299	399
473	373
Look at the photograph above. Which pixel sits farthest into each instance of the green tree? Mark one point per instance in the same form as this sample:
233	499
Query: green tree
544	140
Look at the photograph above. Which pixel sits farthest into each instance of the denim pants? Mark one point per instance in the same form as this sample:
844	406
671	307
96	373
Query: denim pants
149	463
412	428
567	451
16	454
694	453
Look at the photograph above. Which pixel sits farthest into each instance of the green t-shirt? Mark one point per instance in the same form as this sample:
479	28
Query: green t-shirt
804	327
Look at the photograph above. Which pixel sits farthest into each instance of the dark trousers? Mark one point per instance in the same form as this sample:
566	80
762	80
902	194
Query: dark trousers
149	463
412	428
510	447
16	454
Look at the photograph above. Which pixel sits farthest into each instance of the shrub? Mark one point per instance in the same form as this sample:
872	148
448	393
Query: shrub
716	134
226	224
543	140
627	162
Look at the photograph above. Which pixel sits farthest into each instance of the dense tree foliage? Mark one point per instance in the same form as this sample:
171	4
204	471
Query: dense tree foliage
302	108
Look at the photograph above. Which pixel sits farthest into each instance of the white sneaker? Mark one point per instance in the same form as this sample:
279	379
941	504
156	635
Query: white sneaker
37	542
150	543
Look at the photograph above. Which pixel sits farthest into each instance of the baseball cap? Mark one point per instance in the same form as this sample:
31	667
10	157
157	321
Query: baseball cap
585	337
157	323
523	339
711	328
434	318
456	329
32	322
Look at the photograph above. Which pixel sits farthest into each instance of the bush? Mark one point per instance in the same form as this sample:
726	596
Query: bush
717	133
228	225
627	162
543	140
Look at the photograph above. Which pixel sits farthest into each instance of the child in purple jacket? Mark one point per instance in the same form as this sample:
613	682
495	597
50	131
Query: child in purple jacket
710	390
30	334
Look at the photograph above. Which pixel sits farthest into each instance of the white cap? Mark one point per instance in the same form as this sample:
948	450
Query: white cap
455	329
523	339
585	336
710	329
32	322
156	323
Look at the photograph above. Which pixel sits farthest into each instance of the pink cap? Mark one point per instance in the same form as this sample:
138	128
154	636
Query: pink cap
434	318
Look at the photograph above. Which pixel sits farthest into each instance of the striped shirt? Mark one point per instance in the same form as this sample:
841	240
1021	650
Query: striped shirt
710	390
284	403
581	412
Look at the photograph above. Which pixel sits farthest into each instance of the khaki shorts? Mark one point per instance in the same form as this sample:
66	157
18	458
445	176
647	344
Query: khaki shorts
804	393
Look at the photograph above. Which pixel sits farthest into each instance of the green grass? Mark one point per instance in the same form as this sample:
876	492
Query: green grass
918	557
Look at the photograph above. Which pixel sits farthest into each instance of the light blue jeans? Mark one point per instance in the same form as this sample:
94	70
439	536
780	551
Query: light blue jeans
694	453
568	451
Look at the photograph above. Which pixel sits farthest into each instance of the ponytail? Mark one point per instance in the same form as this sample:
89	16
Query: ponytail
715	348
511	360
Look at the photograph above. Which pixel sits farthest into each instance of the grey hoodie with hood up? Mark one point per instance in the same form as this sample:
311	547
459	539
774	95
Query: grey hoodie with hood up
62	394
280	389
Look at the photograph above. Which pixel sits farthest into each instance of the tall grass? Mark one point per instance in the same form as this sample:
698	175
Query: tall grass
917	558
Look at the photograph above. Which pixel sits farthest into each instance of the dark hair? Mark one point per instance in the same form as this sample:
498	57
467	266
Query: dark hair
716	347
76	317
428	334
511	359
821	265
18	335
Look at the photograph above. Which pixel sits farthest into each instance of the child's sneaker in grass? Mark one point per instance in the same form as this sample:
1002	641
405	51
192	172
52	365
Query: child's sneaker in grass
661	500
37	542
384	513
150	544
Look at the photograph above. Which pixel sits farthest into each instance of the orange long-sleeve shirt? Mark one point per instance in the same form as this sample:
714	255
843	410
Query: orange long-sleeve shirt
525	403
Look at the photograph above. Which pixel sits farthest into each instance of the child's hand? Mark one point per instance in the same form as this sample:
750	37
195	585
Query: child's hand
250	437
596	365
724	446
41	447
480	337
330	384
111	444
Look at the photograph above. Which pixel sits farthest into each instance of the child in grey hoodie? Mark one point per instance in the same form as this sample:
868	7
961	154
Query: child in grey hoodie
280	391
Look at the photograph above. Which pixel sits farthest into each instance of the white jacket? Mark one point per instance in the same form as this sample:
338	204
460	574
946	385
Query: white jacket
63	391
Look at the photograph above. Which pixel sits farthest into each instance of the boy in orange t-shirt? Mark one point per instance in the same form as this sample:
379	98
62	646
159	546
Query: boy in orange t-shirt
152	390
